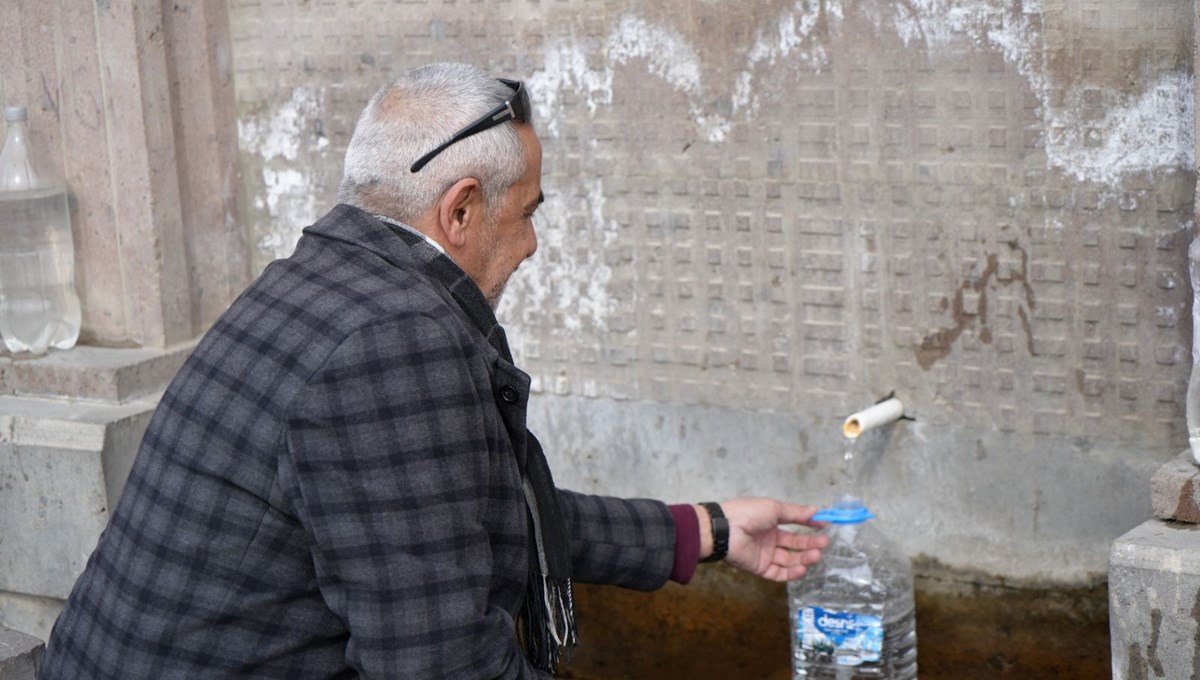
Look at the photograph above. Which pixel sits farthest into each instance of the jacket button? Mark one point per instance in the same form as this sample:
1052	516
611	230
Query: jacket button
509	394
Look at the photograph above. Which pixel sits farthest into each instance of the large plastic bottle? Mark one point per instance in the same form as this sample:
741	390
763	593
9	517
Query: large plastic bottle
852	615
38	305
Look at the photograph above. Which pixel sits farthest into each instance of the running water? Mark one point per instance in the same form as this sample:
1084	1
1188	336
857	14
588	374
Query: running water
849	478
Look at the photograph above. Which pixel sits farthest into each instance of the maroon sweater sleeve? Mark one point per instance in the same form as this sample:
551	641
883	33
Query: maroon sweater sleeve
687	542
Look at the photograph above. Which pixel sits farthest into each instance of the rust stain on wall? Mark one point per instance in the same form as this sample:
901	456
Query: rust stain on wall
938	344
1196	638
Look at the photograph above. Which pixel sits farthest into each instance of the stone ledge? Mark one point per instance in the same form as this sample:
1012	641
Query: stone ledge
1175	490
1159	546
20	655
101	373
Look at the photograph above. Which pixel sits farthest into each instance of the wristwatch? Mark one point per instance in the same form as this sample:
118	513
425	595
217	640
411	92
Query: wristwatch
720	532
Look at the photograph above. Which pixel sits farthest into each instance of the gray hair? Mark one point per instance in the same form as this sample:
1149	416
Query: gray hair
412	115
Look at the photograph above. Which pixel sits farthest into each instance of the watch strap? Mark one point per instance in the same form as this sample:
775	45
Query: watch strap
720	532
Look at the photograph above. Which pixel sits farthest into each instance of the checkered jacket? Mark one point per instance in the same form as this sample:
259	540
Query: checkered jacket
328	489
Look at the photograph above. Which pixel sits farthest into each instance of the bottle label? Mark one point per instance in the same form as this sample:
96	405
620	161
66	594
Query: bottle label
844	638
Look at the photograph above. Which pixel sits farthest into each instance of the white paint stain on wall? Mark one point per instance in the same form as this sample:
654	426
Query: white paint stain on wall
670	56
1146	132
936	23
283	138
566	70
568	274
789	37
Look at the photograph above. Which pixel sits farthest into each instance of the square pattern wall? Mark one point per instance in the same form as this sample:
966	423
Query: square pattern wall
802	206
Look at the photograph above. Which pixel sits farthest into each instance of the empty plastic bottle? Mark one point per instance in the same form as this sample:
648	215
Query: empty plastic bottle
852	615
38	305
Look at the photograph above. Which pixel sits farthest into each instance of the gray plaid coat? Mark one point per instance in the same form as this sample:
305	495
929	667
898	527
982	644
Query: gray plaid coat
328	489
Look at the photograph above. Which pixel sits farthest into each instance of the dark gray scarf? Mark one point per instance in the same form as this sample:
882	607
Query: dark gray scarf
547	618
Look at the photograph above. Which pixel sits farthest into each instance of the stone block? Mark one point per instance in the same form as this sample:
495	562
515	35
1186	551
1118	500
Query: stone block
1154	602
20	655
29	613
115	375
62	467
1175	489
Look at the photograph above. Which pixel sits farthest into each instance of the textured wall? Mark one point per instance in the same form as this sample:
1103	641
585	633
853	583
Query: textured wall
763	216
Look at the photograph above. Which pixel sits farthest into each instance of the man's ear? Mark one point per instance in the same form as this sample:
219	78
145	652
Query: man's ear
460	208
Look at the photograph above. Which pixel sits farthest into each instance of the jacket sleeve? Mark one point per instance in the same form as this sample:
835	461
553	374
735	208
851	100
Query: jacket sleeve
622	542
392	478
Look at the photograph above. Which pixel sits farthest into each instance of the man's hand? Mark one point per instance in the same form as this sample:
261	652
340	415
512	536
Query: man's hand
758	545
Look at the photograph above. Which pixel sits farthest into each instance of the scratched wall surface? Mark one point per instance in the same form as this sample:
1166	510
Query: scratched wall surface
778	208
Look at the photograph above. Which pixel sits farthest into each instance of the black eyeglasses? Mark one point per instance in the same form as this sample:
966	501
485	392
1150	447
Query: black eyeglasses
515	108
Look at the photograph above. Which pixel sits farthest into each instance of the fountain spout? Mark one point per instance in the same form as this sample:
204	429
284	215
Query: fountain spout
884	412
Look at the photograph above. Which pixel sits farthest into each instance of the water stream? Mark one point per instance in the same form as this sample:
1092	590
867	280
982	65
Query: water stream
848	484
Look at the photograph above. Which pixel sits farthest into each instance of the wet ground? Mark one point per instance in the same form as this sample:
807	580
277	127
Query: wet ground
727	625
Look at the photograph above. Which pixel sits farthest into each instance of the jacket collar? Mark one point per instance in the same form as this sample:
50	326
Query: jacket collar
402	248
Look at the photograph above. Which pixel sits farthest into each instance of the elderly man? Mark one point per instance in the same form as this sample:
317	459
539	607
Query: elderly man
339	482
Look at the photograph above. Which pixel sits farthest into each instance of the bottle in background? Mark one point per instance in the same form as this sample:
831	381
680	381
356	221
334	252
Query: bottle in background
852	615
38	305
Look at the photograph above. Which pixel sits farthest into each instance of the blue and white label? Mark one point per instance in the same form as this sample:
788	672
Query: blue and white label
845	638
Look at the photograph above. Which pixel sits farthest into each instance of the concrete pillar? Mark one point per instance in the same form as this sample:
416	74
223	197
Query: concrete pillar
134	102
200	71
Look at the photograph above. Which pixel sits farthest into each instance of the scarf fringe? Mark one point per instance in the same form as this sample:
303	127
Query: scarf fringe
548	628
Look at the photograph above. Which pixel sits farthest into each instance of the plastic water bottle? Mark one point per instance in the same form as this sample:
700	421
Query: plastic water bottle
38	305
852	615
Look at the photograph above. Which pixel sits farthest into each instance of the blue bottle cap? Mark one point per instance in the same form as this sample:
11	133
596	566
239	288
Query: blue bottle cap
853	514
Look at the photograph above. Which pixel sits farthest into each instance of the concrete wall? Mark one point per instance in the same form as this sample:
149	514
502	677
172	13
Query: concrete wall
763	216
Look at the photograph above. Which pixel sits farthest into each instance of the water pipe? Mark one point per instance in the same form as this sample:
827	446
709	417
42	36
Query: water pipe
1192	407
884	412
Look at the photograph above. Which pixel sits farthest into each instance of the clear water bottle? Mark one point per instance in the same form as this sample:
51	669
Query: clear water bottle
852	615
38	305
